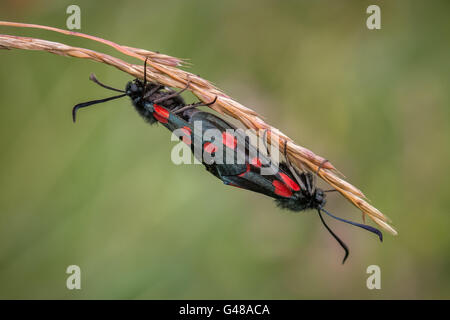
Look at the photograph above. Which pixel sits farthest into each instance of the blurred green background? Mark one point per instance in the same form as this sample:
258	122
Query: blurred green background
104	195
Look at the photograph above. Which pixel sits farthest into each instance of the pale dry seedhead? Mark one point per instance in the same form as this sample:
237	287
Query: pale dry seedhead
165	70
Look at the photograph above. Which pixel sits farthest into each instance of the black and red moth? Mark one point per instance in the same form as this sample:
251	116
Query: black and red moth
292	189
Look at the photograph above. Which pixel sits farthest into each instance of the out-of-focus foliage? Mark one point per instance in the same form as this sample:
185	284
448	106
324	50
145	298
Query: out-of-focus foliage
104	195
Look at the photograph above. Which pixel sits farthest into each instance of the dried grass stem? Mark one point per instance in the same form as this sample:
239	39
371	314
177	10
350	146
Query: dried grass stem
165	70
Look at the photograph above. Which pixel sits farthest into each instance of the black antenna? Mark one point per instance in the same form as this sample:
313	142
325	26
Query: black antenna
363	226
94	78
89	103
343	245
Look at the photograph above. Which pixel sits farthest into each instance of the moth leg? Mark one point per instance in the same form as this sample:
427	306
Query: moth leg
175	94
265	141
194	105
148	94
321	165
294	173
317	173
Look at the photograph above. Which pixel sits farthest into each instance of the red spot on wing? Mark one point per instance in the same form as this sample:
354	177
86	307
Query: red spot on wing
186	130
187	138
289	182
281	189
229	140
161	114
256	162
243	173
235	185
209	147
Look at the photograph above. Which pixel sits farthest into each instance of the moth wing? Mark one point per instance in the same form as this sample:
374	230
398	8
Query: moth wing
247	176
